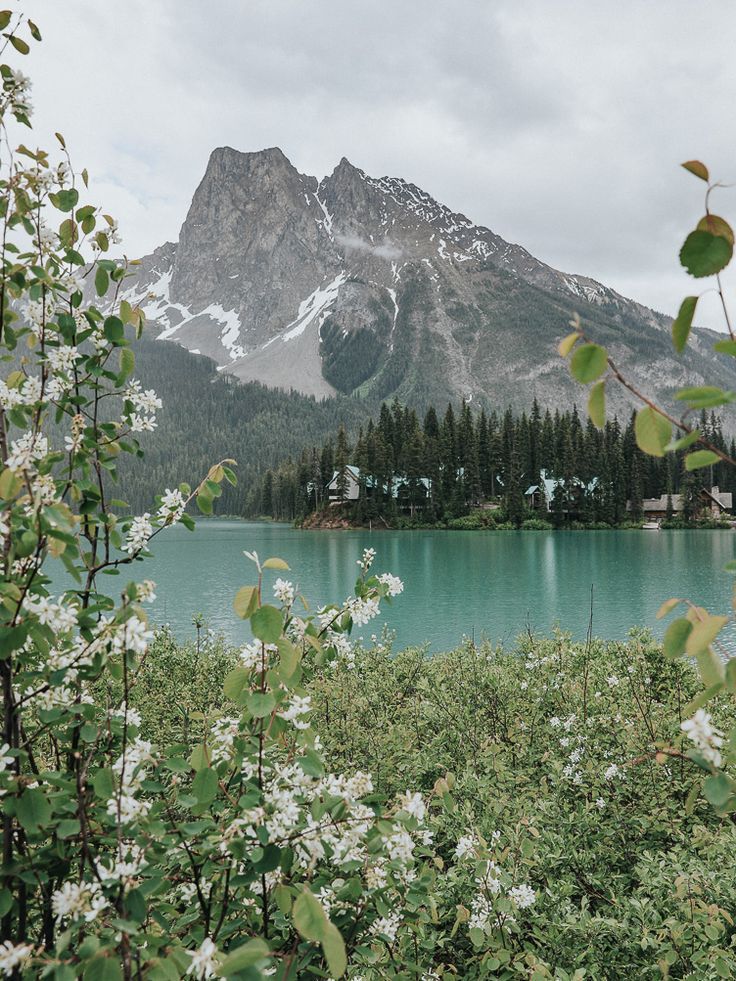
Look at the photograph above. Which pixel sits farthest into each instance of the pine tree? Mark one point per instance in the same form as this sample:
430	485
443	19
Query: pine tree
342	453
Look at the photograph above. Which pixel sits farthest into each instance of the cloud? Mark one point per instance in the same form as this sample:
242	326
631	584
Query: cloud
558	125
385	251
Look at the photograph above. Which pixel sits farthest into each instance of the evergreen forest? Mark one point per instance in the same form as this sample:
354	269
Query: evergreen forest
473	458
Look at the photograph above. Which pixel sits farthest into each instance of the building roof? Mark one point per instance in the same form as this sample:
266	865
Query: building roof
396	481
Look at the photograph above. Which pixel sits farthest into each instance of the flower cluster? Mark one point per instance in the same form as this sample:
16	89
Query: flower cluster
172	507
141	408
706	737
130	771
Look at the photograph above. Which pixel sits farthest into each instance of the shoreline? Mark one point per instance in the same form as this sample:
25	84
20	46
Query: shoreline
326	522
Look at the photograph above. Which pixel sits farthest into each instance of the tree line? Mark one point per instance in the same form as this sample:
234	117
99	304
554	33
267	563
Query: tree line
473	457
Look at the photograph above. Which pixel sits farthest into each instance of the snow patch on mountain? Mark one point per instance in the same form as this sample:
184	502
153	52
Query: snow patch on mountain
315	305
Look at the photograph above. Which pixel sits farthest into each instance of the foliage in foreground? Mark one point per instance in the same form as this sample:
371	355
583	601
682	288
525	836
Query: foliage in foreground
662	435
562	765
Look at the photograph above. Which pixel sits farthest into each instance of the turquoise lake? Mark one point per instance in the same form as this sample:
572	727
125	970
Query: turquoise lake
456	583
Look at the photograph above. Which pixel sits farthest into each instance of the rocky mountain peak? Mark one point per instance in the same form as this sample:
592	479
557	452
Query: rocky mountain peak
370	286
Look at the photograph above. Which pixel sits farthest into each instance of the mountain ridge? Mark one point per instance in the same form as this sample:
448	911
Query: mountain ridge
370	287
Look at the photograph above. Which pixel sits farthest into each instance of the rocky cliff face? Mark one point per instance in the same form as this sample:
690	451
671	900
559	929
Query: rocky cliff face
369	286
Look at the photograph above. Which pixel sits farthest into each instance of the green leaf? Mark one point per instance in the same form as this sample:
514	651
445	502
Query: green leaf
731	675
267	624
66	200
204	501
717	789
726	347
102	781
102	281
697	168
675	638
716	226
704	254
276	564
333	947
311	763
235	682
282	898
33	810
667	607
700	458
12	639
103	969
199	758
652	431
683	442
246	956
588	362
260	704
568	343
704	632
205	785
597	404
289	656
683	322
113	329
127	365
246	601
704	396
5	16
19	44
308	915
710	668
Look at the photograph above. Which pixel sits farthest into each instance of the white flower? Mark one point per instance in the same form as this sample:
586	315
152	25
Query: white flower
78	900
204	962
612	772
250	654
10	397
131	636
366	560
73	442
612	681
146	591
297	707
400	847
60	618
387	926
413	804
395	585
706	738
362	611
283	590
139	532
26	450
13	956
131	715
63	358
466	846
172	506
522	896
600	804
142	424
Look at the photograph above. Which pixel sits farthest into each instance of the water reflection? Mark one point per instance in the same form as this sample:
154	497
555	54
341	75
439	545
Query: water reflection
456	582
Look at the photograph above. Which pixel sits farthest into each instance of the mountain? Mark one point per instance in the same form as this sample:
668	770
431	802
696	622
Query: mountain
368	286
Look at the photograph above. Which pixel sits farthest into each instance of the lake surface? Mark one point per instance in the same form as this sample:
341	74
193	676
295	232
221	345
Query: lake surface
456	583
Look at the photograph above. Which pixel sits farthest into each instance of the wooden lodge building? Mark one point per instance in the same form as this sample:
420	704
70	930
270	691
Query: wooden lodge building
409	496
713	502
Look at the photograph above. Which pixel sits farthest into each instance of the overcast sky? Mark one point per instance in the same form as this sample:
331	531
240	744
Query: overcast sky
560	125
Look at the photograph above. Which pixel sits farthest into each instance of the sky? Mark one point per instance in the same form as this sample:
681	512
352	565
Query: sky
561	126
